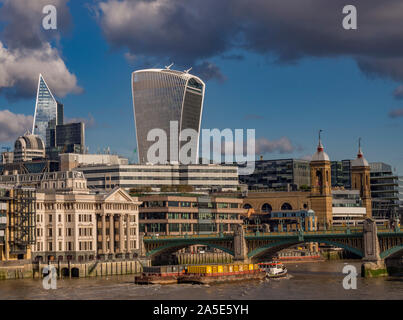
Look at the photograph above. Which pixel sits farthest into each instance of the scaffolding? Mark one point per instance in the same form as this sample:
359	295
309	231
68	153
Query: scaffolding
21	220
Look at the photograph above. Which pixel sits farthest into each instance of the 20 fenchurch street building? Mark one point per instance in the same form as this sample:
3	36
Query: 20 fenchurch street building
161	96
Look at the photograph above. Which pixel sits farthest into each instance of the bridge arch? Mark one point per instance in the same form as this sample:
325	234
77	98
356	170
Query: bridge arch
392	251
278	246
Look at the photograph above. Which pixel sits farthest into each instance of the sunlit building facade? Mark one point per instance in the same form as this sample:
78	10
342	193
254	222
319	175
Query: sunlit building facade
161	96
48	113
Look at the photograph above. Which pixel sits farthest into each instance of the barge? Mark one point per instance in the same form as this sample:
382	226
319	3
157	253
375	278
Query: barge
221	273
204	274
159	275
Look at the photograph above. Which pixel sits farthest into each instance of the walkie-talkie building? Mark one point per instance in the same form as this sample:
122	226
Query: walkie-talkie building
48	113
161	96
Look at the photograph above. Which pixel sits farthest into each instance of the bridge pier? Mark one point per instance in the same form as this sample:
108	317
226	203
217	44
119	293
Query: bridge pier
240	246
373	265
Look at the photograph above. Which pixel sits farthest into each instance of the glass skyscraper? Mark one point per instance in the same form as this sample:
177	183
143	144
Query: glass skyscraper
161	96
48	114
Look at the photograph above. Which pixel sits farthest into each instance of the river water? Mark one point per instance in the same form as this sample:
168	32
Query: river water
316	280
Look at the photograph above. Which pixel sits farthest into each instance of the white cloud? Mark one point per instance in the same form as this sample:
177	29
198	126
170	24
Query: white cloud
282	145
13	125
19	70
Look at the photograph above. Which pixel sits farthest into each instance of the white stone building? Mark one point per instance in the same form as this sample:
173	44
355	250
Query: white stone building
73	223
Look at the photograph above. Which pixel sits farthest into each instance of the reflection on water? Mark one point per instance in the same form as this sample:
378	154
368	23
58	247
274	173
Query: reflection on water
318	280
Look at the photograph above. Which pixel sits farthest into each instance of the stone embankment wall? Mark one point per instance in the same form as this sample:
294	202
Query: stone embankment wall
26	269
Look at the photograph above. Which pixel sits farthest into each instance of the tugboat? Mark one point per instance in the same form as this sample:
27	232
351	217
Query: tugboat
273	269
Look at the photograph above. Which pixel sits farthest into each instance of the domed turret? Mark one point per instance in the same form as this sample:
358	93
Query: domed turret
320	155
360	161
28	147
360	179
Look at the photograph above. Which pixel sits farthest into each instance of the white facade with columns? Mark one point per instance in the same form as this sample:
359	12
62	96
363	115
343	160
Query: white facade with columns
73	223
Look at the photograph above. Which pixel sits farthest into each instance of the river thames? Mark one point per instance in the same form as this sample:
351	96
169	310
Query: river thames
316	280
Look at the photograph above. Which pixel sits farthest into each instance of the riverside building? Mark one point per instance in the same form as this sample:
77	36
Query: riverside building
76	224
176	214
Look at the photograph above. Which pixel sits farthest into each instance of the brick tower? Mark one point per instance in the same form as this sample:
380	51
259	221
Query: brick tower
321	187
360	171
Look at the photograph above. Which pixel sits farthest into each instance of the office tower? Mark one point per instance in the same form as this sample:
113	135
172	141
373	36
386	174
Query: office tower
161	96
70	138
48	114
385	187
278	174
341	173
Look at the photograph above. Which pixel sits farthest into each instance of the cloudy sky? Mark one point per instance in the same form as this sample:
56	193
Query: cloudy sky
285	68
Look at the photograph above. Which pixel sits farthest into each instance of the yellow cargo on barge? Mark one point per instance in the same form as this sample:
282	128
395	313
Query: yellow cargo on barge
221	273
203	274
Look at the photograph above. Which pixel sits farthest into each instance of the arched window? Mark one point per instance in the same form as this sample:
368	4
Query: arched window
319	177
286	206
266	208
247	206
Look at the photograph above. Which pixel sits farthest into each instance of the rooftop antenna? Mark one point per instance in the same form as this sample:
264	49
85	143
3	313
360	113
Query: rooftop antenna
187	71
169	67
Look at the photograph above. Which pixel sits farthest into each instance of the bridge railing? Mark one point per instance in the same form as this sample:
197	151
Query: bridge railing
189	236
294	233
351	230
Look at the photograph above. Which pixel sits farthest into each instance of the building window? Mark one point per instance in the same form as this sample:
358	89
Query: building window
286	206
266	208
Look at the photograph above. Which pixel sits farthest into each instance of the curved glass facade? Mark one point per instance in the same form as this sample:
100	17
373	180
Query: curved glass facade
161	96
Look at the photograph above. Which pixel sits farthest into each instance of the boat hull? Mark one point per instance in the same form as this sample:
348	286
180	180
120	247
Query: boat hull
278	275
156	279
221	278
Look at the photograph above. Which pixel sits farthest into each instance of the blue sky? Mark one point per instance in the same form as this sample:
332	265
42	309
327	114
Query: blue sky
292	99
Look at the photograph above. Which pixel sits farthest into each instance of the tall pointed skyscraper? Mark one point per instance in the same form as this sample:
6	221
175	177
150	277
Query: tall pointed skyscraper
48	113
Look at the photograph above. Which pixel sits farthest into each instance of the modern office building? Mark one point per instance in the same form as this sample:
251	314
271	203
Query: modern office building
179	214
341	173
281	175
28	147
70	138
161	96
347	208
48	113
69	161
201	177
386	190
